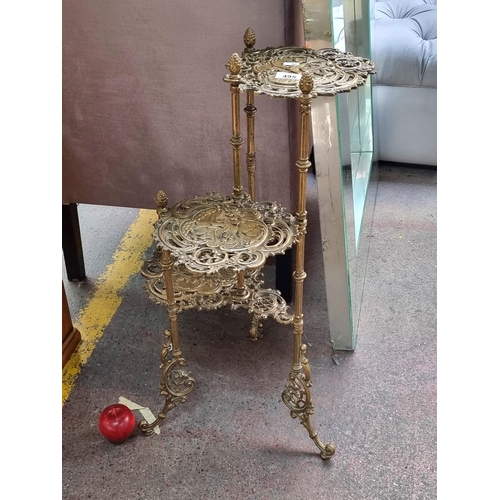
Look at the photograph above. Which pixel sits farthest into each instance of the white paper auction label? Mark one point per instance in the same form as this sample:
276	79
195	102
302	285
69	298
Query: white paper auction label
284	75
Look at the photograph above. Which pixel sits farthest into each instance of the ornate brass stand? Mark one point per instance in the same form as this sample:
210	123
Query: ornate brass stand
211	249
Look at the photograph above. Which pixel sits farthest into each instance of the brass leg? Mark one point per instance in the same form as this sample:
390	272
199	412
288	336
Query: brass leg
176	381
297	397
175	385
241	288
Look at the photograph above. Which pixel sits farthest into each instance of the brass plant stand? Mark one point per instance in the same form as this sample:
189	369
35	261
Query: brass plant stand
211	249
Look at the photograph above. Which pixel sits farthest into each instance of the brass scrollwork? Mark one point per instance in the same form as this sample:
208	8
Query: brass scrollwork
297	397
176	384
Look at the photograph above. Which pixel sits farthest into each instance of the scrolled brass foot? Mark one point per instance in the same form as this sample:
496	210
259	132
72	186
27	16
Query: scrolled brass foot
256	328
297	397
176	384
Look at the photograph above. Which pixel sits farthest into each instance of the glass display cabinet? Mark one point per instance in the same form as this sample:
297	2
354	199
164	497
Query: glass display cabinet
211	249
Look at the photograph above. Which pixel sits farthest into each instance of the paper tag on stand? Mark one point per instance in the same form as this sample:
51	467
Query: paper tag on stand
145	411
290	77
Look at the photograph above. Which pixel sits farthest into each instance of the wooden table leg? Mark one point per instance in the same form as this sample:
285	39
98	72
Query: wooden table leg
70	335
72	243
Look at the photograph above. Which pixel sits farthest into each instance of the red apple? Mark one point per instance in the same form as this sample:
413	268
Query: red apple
116	423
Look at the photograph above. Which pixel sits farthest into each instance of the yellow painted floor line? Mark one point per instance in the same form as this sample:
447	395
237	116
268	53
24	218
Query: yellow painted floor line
96	315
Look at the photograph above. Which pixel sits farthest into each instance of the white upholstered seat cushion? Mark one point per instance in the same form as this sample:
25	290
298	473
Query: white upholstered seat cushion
405	43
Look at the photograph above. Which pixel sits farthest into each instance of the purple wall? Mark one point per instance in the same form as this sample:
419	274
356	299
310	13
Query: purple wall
144	105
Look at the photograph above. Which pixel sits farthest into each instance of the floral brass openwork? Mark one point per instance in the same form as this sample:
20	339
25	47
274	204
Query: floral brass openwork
211	249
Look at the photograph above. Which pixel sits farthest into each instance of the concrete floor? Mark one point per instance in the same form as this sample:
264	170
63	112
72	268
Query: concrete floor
234	437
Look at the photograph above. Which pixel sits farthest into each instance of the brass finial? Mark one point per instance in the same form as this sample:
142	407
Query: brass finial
234	64
249	39
306	82
161	200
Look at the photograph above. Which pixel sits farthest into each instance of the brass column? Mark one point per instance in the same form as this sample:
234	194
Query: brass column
234	66
250	110
236	141
303	164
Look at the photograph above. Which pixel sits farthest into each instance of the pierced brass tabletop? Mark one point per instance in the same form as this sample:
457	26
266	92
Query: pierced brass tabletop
211	249
214	232
277	71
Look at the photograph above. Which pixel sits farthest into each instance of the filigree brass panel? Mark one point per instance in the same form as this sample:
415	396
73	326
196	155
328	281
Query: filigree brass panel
212	291
211	233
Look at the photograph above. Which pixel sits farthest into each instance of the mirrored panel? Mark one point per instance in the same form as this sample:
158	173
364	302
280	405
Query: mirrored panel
346	174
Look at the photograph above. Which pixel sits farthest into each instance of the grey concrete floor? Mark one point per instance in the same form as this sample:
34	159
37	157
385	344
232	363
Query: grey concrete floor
234	438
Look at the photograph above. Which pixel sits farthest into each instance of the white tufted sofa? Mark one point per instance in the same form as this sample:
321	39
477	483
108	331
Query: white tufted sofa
404	49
